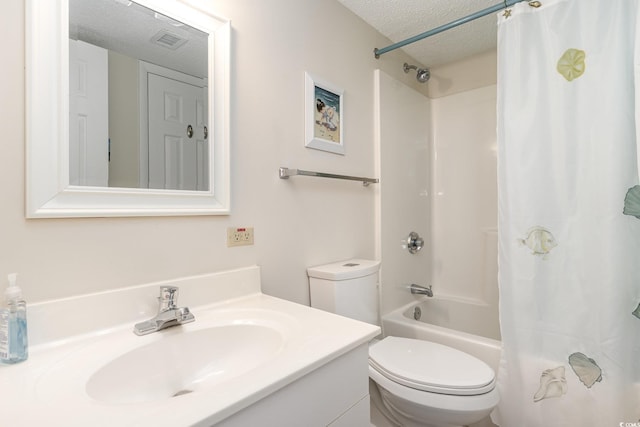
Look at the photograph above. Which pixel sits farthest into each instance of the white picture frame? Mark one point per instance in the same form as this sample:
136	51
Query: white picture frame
324	115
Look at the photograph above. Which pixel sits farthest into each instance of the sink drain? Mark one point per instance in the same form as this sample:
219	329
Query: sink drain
417	313
181	392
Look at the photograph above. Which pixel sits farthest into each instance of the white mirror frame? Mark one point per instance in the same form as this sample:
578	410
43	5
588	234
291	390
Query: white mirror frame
48	193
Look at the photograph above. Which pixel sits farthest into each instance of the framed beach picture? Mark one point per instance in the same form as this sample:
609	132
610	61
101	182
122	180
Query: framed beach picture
323	115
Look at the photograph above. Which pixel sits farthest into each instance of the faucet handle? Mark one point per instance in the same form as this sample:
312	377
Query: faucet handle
168	298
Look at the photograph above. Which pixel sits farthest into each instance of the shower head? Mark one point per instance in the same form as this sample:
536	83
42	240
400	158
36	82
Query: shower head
422	74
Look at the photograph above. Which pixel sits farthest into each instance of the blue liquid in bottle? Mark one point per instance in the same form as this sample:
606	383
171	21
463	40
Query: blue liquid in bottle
14	345
18	341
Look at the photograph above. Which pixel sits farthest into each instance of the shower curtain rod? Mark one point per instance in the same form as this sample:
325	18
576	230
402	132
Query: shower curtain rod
505	4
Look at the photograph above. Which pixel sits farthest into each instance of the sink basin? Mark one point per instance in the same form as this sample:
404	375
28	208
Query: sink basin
183	363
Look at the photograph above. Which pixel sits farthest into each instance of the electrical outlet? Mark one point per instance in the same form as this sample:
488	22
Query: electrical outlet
240	236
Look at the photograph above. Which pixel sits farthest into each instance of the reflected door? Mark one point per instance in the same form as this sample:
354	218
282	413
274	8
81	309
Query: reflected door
88	115
178	140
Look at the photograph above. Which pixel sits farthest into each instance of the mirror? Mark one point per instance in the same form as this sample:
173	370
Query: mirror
137	98
169	66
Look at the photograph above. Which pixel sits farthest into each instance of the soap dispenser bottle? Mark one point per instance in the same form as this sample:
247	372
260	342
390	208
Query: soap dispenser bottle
14	345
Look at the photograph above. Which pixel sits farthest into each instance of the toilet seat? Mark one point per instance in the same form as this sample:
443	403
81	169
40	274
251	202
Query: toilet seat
431	367
408	404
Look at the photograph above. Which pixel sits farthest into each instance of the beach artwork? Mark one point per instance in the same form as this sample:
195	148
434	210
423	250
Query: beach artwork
327	121
323	115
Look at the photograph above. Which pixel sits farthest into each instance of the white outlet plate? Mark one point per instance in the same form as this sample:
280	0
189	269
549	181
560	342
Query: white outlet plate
239	236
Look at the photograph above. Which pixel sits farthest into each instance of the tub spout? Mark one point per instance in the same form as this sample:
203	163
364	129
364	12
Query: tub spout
421	290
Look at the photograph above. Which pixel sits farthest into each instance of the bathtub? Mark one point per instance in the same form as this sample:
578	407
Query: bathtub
468	326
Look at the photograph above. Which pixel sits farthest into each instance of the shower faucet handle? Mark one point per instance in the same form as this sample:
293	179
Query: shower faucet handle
414	242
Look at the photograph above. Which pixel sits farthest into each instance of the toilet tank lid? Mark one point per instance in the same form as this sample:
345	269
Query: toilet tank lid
344	270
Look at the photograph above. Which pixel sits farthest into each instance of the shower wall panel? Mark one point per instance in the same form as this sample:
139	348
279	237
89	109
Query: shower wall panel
464	211
403	132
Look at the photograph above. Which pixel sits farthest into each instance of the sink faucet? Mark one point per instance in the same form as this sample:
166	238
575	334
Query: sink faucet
169	314
421	290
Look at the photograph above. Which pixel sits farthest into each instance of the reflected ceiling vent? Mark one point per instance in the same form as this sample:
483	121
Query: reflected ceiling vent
168	39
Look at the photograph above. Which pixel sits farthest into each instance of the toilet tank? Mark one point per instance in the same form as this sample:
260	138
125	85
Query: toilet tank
348	288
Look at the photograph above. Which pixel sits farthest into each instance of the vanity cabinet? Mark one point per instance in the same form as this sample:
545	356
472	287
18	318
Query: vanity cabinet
247	360
335	394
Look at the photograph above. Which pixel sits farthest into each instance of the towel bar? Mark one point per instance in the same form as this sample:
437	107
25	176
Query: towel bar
285	173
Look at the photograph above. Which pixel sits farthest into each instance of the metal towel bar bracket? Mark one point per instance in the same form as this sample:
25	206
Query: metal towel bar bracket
285	173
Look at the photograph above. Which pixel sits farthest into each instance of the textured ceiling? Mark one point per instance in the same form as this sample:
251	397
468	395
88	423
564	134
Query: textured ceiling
401	19
128	28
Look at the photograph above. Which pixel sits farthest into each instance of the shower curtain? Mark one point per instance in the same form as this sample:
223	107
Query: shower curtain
569	214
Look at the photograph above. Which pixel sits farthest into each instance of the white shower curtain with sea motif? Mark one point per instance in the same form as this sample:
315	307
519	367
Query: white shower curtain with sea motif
569	214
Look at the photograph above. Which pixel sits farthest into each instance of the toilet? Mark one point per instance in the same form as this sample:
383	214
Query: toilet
417	383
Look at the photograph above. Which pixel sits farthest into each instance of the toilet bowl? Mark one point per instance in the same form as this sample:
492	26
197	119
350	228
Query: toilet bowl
420	383
427	384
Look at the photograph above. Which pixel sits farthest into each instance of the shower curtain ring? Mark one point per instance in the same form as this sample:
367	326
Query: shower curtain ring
507	11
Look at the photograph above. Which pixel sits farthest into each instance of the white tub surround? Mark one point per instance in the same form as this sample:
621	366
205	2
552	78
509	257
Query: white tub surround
469	316
315	352
437	314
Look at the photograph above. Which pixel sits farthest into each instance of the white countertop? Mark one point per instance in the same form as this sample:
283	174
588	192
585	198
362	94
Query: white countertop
49	388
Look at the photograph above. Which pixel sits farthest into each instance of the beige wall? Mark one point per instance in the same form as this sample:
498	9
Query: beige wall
124	121
470	73
300	222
